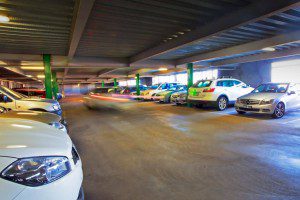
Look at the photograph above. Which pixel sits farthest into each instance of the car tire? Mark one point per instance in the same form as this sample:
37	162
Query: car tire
241	112
222	103
2	110
279	111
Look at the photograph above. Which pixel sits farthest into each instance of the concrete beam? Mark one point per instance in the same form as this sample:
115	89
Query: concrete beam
80	17
252	13
258	57
248	47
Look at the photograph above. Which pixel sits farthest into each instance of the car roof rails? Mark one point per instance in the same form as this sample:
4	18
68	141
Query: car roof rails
225	77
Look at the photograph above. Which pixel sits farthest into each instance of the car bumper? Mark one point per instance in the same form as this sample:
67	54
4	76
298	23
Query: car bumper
158	98
199	102
68	187
263	109
57	112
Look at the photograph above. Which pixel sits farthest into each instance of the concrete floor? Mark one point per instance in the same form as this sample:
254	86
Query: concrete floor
153	151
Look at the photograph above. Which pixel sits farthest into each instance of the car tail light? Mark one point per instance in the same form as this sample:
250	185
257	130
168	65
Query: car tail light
209	90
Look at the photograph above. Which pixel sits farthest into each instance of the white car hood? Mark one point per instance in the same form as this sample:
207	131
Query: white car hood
40	100
25	138
262	96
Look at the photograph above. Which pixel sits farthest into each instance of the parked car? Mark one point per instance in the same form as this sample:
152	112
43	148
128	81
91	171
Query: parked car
115	90
132	89
218	92
150	93
44	117
179	98
165	96
38	162
31	92
12	100
270	98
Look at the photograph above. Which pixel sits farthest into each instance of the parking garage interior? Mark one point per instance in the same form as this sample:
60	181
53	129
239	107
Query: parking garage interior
132	147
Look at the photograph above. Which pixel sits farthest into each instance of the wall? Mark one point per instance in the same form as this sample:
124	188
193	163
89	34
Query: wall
253	73
77	89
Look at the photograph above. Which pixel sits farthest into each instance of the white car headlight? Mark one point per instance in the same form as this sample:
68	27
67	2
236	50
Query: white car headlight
56	107
264	102
58	125
37	171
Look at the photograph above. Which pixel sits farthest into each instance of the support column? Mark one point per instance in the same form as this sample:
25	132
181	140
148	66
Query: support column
47	70
137	79
115	82
190	74
54	85
102	84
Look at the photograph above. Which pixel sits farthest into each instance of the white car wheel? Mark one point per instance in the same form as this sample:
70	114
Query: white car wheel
279	110
222	103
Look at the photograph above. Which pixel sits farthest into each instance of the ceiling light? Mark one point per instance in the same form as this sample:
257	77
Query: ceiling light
162	69
170	38
181	33
4	18
32	68
175	36
269	49
41	76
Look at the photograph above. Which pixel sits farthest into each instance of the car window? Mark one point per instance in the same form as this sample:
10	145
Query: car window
11	93
225	83
2	98
272	88
201	84
237	82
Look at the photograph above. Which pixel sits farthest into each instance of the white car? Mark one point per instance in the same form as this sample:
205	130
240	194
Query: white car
270	98
38	161
15	101
45	117
150	93
219	92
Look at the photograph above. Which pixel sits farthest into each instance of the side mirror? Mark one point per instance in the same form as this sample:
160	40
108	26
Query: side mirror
292	92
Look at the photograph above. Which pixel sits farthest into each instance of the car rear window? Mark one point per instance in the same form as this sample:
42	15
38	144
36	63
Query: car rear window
202	84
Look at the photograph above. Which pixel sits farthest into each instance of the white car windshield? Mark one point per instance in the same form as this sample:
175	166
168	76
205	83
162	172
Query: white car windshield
272	88
12	93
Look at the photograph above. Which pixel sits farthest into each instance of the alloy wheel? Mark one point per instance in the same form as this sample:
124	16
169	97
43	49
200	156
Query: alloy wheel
279	110
222	103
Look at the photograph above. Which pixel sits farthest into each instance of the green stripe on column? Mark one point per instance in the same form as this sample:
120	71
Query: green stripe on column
47	70
190	74
137	78
54	85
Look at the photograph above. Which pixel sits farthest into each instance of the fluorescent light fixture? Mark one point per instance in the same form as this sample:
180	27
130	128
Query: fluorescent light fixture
4	18
29	76
162	69
41	76
32	68
269	49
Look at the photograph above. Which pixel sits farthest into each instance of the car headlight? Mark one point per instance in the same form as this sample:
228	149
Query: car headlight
264	102
37	171
56	107
57	125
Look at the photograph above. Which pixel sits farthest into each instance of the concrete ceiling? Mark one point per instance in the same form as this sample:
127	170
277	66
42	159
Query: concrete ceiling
92	40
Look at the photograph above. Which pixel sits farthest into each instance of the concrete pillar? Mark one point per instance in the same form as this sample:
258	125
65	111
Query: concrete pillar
190	74
47	70
137	78
54	85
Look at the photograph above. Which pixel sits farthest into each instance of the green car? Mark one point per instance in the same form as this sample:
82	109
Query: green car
165	96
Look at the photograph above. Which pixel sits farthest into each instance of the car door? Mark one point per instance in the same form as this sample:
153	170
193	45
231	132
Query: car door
9	103
293	96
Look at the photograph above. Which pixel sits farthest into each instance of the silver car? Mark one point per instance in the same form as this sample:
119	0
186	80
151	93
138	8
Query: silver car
270	98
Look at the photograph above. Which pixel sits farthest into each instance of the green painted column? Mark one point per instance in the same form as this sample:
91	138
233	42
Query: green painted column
190	74
115	82
47	71
54	85
103	84
137	79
